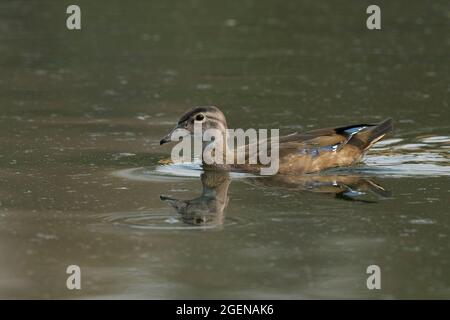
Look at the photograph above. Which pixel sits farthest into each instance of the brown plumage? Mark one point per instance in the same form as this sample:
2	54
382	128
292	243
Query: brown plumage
299	153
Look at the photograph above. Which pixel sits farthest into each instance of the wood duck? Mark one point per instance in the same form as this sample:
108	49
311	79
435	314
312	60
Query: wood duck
299	153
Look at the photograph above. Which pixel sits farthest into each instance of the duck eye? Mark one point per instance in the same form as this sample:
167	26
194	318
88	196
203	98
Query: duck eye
199	117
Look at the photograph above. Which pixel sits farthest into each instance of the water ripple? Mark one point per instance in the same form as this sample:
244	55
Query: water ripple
159	220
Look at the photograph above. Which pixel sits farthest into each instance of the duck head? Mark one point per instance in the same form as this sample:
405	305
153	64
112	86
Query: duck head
209	118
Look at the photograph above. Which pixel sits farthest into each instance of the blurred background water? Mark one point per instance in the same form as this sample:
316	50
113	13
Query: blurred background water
82	112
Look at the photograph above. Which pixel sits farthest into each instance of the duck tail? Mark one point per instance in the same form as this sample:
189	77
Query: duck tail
367	138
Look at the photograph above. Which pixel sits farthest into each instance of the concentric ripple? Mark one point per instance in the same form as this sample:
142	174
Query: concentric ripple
159	220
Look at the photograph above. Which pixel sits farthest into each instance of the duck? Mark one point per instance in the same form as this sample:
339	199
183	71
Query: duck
299	152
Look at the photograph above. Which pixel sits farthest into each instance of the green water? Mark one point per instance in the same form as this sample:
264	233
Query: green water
82	113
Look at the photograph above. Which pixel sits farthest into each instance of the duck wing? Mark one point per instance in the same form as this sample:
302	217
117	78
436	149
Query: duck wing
320	149
316	141
362	136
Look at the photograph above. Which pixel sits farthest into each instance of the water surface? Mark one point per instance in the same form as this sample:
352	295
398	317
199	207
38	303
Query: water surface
81	181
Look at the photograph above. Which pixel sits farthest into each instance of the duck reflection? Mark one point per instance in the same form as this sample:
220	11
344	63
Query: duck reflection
346	187
208	209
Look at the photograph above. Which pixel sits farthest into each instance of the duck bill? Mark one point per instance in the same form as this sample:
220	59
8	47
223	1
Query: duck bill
168	137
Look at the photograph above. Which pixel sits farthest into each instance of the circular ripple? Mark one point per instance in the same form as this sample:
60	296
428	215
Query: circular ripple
147	220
